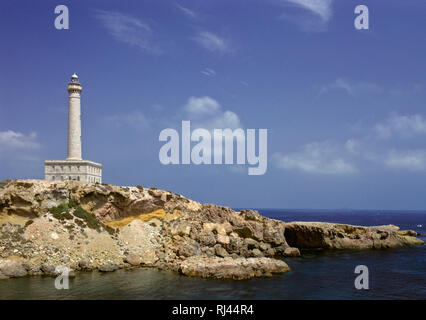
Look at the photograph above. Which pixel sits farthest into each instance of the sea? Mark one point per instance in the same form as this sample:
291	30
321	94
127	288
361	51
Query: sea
392	274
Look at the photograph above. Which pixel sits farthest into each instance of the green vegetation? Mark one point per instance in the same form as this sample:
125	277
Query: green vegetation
88	217
62	211
69	210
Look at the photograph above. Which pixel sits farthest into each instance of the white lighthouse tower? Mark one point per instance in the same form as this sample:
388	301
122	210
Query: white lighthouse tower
74	119
74	168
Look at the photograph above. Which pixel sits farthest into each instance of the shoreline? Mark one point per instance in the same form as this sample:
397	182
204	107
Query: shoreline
87	226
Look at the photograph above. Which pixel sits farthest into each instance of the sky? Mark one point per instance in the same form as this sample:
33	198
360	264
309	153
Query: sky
344	108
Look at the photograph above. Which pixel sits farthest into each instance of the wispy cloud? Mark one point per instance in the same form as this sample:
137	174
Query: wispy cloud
380	145
311	15
17	140
317	158
208	72
413	160
188	12
401	125
135	119
128	29
321	8
352	88
212	42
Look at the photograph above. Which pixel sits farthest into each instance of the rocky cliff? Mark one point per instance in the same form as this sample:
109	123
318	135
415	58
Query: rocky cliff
104	227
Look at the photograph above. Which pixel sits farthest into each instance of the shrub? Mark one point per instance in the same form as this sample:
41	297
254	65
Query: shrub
61	212
87	217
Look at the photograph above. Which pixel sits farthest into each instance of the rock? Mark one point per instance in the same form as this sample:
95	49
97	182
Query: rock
189	248
235	245
97	226
108	268
84	264
10	268
409	233
264	246
220	228
220	251
230	268
181	228
291	252
48	269
149	258
323	235
251	215
133	259
210	252
206	238
256	253
244	231
223	239
273	232
251	243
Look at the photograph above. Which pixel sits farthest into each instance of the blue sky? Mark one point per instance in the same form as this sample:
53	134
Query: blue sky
344	108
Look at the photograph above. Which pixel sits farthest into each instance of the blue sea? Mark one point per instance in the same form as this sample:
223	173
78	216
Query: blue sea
393	273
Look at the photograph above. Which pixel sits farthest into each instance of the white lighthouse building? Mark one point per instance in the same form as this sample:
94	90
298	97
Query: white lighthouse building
74	168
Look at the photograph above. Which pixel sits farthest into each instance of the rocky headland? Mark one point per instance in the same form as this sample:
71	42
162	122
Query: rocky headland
87	226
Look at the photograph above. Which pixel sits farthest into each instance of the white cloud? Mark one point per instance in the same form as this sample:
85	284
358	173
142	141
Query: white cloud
128	29
413	160
401	125
372	147
212	42
227	119
321	8
207	113
186	11
16	140
317	158
197	106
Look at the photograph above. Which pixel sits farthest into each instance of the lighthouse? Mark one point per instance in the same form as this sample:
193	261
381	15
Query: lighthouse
74	118
74	167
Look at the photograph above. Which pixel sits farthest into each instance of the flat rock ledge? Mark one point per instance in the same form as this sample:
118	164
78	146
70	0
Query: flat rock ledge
324	235
229	268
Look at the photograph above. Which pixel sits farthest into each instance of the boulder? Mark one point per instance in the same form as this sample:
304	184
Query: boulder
108	268
133	259
232	268
291	252
10	268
